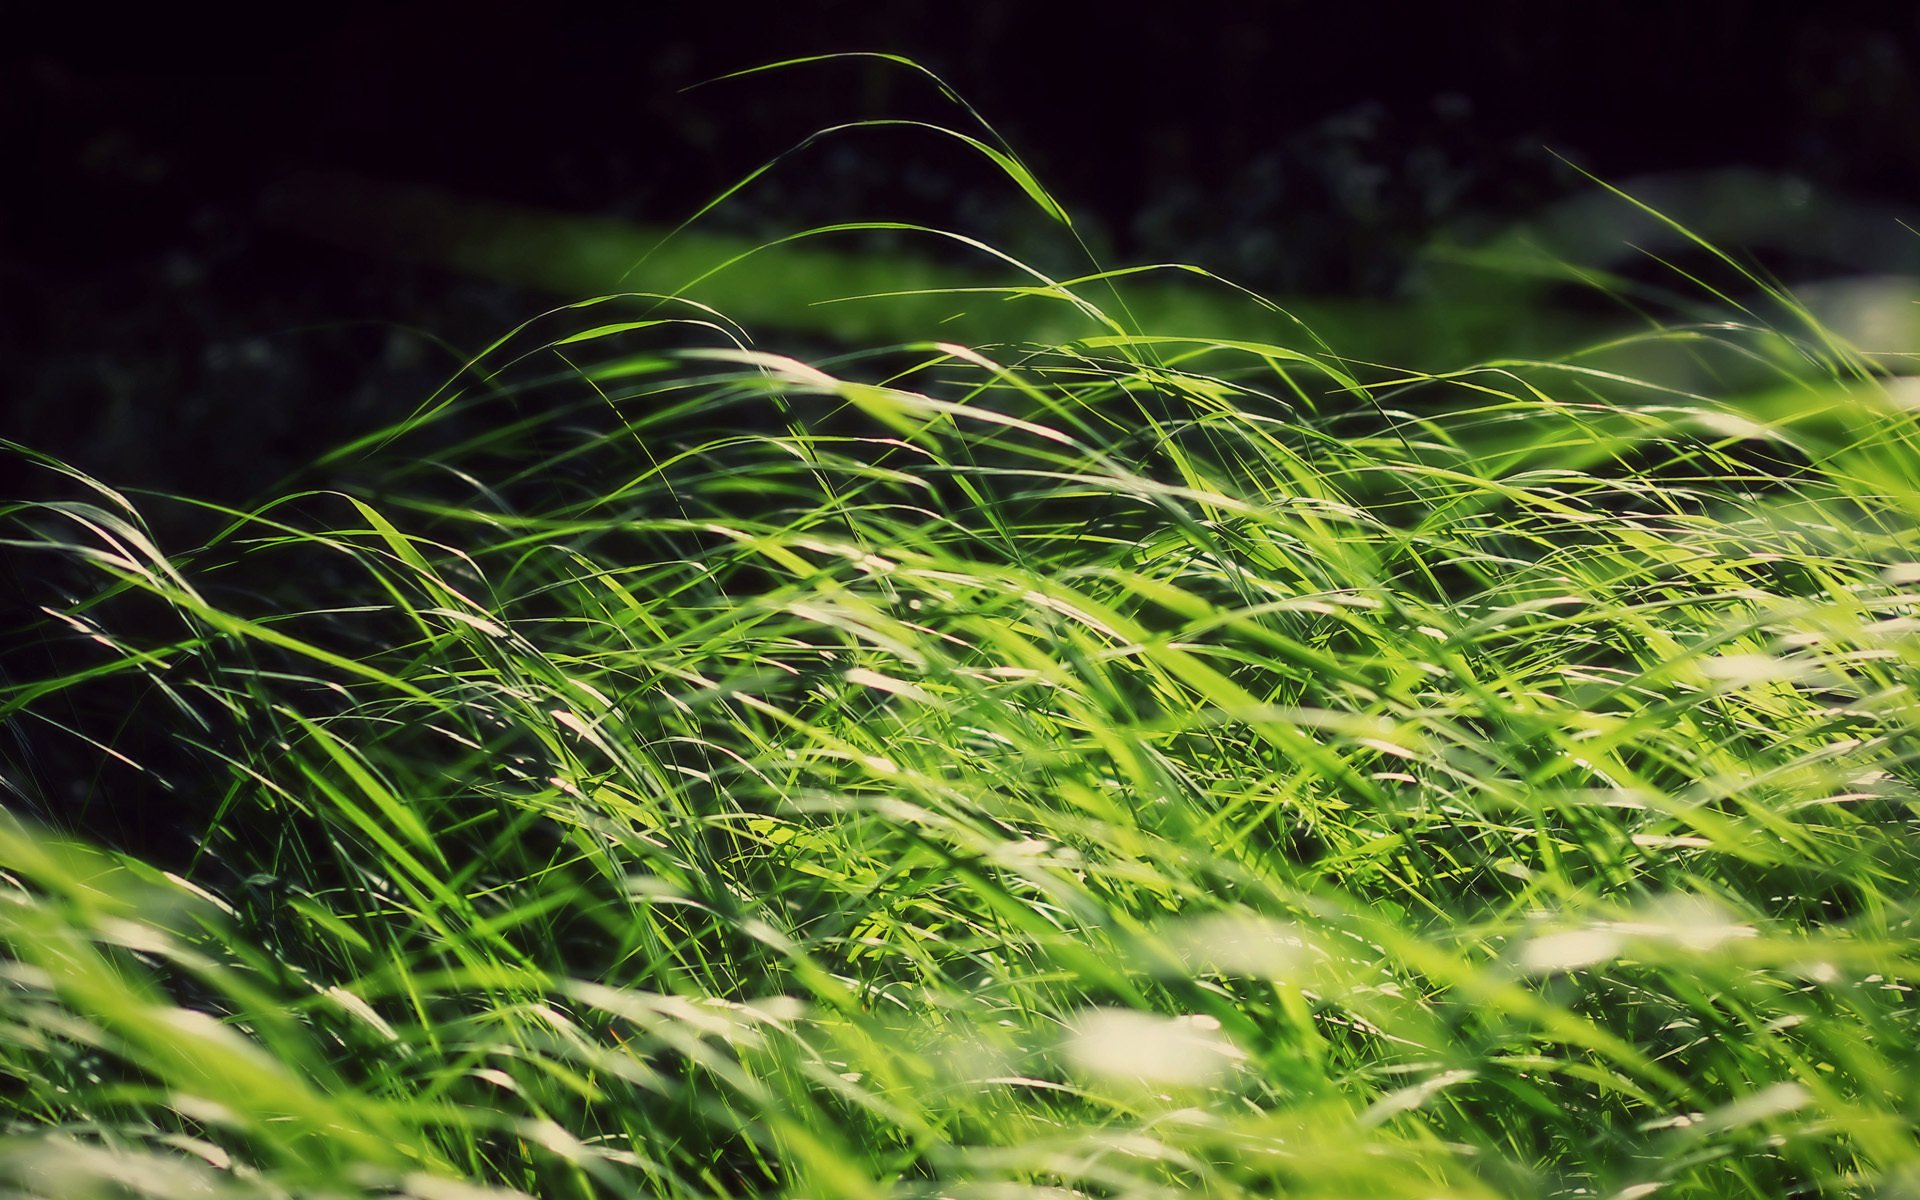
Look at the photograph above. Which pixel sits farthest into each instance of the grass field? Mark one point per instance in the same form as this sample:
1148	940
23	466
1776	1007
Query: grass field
1132	766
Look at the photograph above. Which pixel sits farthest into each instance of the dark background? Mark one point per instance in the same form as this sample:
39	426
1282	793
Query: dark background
156	330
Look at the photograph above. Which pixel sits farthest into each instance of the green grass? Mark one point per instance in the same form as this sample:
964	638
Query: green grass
1123	767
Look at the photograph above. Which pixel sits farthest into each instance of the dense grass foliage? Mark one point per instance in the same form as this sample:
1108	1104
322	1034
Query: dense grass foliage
1126	767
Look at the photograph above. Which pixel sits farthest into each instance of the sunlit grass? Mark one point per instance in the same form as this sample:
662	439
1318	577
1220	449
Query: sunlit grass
1123	767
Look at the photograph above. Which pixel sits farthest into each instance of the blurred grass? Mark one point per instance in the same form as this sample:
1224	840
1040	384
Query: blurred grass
824	284
1502	296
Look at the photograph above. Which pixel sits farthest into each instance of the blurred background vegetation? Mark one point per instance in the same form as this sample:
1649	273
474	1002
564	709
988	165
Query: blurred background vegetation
223	249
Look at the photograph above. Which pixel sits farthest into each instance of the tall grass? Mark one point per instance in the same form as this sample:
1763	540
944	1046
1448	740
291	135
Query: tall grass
1124	767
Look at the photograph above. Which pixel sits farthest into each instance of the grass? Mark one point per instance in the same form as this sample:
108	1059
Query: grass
1129	766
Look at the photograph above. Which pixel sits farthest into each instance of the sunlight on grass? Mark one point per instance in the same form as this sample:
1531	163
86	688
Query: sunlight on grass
1127	765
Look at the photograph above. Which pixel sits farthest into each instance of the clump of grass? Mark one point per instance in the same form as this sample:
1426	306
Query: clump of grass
1127	766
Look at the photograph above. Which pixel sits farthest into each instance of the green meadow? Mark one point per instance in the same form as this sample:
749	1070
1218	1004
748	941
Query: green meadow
1076	743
